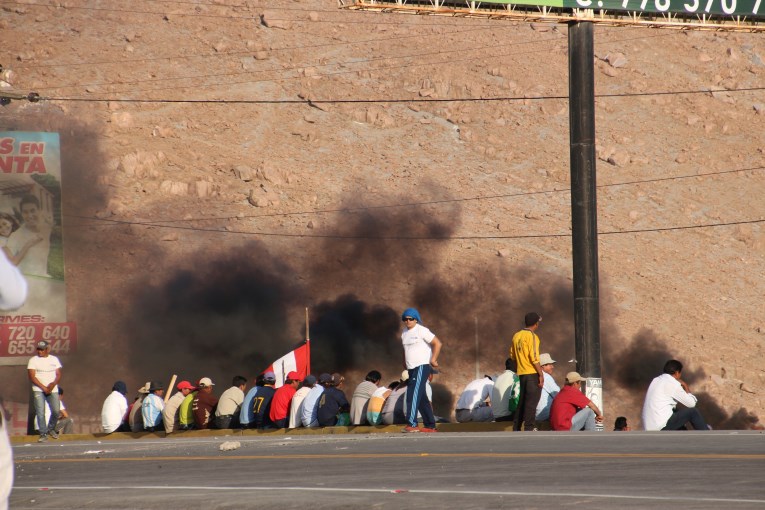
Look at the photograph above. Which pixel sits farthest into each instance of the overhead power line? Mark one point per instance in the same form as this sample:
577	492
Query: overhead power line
421	238
166	223
389	100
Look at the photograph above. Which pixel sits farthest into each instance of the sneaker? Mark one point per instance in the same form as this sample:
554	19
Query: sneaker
42	439
428	429
53	434
409	429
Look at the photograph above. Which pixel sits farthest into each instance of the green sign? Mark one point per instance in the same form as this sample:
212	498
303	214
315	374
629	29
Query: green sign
701	8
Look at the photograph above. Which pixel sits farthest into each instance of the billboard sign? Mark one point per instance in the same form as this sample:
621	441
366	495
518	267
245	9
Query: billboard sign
31	238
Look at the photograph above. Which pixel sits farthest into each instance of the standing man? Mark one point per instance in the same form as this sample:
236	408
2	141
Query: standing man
421	350
525	351
44	372
660	410
571	410
549	390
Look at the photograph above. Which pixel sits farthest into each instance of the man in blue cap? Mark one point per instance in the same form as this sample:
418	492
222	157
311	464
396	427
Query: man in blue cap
421	350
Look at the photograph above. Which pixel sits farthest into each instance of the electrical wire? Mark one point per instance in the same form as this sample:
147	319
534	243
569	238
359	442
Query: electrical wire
164	223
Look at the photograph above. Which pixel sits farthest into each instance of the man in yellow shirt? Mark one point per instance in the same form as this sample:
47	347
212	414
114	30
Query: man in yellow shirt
525	351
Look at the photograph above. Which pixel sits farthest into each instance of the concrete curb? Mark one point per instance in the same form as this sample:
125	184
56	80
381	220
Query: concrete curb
359	429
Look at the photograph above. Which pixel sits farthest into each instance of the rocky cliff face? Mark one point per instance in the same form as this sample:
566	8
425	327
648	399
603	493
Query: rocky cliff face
229	163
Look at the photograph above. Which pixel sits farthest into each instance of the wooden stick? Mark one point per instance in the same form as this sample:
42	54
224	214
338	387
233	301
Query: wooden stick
170	387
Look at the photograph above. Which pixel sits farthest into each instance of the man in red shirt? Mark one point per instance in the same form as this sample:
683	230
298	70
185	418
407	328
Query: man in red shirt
280	405
571	410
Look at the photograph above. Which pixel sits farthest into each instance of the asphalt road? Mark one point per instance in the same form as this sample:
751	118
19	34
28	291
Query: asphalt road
695	470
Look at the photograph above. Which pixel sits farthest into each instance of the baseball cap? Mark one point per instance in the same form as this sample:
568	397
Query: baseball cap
185	385
574	377
205	382
546	359
156	386
269	376
337	379
309	380
405	376
293	376
325	378
42	344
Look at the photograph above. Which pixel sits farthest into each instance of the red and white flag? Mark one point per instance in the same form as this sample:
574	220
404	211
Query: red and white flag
298	360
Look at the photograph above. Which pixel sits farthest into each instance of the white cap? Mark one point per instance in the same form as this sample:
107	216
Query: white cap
546	359
206	381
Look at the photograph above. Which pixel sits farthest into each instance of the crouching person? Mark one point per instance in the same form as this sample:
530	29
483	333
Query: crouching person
571	409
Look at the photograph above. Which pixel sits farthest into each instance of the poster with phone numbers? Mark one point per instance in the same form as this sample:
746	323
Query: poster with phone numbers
31	238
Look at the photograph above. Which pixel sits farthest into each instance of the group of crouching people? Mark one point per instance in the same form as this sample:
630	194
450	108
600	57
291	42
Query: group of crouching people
307	402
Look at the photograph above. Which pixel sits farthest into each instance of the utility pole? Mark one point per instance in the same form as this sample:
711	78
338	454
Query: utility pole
584	208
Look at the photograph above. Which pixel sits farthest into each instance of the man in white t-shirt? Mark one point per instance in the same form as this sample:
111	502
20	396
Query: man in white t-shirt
474	403
421	350
44	372
296	405
114	410
660	411
505	393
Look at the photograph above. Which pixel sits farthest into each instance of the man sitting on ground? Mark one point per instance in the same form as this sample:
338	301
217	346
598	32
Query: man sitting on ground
571	410
505	393
333	403
361	396
475	402
170	414
280	405
549	389
660	411
114	410
229	405
152	407
203	405
296	405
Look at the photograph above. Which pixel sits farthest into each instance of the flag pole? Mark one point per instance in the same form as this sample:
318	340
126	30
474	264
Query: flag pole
307	344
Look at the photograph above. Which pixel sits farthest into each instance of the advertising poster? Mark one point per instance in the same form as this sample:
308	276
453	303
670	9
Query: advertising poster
31	238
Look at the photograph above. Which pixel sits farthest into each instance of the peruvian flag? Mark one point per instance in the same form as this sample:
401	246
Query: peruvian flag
298	360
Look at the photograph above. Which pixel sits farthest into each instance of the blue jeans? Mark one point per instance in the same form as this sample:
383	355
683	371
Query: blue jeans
686	415
39	401
417	399
583	420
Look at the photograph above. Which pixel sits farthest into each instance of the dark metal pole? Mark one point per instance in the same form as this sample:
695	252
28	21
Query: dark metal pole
584	223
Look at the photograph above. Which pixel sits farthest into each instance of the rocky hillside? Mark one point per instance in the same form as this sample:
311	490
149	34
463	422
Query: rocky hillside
228	163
